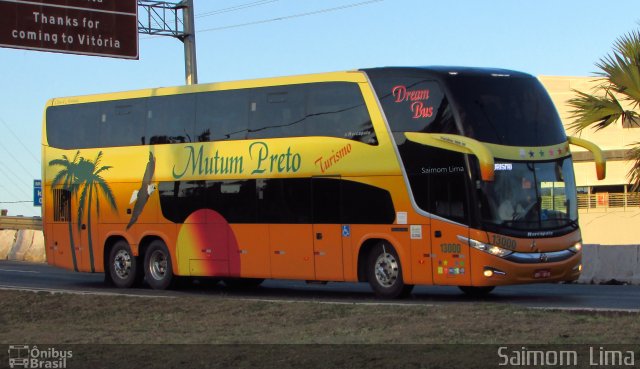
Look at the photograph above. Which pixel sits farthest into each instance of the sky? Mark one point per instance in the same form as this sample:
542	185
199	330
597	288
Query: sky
239	39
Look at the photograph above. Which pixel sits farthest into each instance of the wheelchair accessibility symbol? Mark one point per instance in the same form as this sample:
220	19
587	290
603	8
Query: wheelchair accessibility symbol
346	231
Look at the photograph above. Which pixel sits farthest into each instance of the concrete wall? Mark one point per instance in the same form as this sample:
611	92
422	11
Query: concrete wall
24	245
7	239
603	264
610	227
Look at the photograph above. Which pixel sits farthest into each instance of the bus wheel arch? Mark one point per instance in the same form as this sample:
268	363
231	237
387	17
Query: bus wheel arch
379	264
122	267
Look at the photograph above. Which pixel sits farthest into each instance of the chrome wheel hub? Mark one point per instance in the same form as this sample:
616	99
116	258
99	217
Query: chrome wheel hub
158	265
386	269
122	264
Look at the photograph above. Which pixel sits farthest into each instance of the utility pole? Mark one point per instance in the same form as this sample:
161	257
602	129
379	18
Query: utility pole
190	64
161	18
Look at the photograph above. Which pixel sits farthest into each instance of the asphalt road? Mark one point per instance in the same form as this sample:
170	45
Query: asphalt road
27	276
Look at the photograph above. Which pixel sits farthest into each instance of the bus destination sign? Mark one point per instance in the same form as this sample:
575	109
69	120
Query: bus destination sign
87	27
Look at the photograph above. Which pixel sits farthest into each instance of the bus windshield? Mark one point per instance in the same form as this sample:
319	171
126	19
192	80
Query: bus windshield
498	107
530	196
514	111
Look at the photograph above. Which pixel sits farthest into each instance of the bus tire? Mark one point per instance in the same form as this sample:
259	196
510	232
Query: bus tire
384	272
476	291
157	266
123	265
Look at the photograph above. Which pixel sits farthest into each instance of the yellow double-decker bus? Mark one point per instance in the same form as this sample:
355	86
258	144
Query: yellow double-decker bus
394	176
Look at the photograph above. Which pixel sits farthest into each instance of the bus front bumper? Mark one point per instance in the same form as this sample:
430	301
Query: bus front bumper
522	268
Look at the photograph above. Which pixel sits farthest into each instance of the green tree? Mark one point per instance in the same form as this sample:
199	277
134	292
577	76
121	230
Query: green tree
92	185
618	86
67	177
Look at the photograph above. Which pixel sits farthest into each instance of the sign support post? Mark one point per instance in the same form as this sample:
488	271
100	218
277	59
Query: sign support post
160	18
190	64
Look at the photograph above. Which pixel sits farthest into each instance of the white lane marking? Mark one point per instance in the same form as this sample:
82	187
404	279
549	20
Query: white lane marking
74	292
587	309
54	291
18	271
354	303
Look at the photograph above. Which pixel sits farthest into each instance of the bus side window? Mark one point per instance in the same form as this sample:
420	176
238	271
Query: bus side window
61	205
326	200
362	203
284	200
446	185
222	115
277	112
235	200
338	110
74	126
170	119
122	122
437	178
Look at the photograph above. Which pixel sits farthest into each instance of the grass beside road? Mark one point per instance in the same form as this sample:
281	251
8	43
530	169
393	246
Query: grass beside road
80	319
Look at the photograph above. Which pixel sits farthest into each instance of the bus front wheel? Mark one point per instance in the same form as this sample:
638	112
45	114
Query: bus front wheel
384	272
123	265
157	266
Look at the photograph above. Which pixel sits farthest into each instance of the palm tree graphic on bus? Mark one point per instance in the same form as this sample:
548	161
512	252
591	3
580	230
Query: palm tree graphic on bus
83	177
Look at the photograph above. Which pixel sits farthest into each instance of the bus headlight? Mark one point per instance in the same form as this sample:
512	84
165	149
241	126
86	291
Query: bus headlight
490	272
489	249
576	247
498	251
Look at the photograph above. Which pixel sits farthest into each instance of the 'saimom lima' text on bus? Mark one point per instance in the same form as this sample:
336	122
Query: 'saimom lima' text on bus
395	176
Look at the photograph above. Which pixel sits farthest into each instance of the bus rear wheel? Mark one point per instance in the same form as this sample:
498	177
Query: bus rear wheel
384	272
123	266
157	266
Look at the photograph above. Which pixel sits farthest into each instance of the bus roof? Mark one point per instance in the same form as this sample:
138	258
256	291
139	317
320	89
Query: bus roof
346	76
435	72
444	72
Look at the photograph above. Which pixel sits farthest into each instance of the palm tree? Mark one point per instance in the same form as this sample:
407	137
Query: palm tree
92	183
67	177
617	87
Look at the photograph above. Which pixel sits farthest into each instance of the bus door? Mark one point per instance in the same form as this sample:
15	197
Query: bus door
87	252
285	204
450	255
62	239
327	231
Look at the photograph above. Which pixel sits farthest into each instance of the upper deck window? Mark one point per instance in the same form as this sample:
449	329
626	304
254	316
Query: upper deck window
333	109
504	109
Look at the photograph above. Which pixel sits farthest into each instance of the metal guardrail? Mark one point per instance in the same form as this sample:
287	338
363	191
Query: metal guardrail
607	200
19	223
